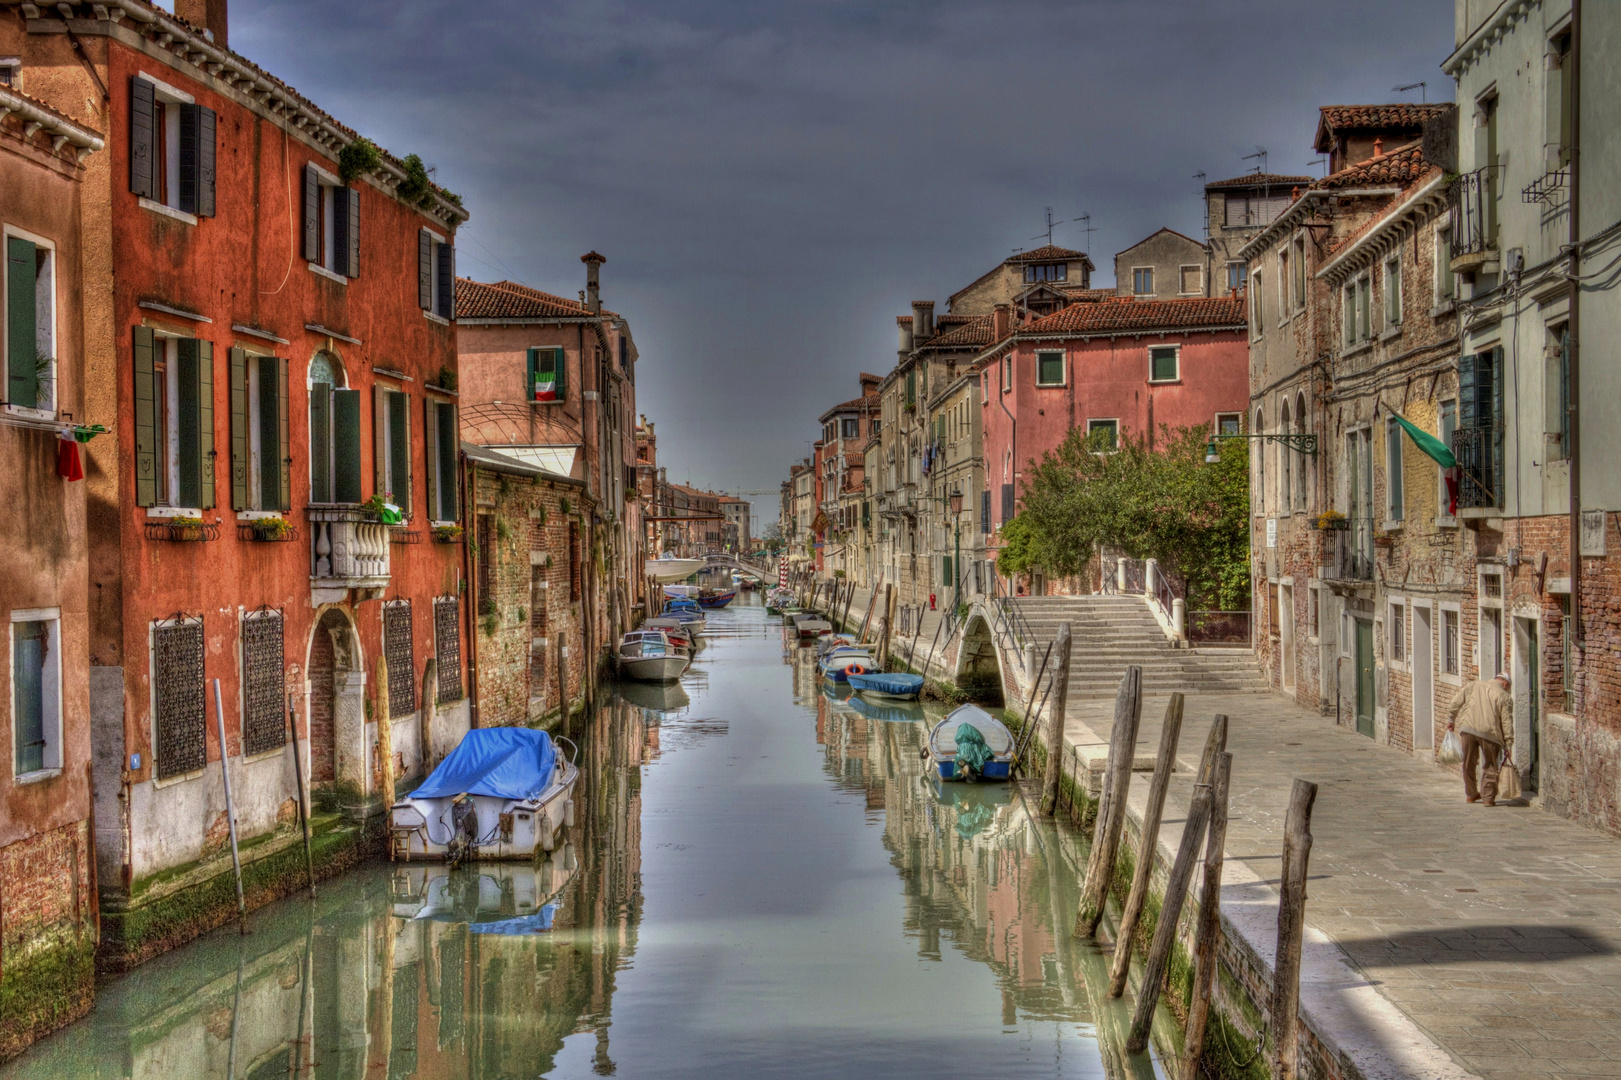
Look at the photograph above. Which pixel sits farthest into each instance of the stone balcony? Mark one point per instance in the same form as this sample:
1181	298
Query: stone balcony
349	550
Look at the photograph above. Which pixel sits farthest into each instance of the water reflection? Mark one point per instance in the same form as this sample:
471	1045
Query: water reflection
806	901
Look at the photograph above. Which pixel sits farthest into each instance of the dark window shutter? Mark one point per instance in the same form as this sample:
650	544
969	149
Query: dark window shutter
270	409
321	443
447	281
399	450
529	374
352	218
143	122
560	367
1007	503
189	421
430	440
346	446
424	271
1466	390
205	425
146	435
188	157
449	443
312	214
379	445
340	231
241	436
206	135
284	497
22	348
985	511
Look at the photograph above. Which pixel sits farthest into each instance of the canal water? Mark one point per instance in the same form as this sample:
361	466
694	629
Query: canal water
761	882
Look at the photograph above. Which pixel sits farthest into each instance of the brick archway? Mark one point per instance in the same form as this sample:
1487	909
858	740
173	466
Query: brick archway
336	681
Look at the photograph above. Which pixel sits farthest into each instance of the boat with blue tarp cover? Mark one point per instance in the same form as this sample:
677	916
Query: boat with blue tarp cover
971	744
887	684
503	793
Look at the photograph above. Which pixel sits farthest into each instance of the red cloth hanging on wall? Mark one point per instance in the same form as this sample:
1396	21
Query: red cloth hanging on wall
69	463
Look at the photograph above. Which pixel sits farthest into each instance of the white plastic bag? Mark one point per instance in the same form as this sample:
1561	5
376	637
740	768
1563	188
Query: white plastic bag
1451	749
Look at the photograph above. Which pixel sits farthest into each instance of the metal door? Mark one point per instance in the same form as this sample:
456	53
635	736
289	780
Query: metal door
1364	677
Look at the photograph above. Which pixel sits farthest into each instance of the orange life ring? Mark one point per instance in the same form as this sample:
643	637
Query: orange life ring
855	669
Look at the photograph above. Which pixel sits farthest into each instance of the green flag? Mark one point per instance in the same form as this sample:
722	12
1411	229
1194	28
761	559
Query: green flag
1428	443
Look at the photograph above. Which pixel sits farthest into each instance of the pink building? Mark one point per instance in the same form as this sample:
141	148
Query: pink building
1120	364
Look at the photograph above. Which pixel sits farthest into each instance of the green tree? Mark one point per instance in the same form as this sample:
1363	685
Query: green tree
1161	502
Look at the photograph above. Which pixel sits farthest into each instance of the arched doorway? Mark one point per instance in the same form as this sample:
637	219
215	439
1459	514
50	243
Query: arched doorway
337	708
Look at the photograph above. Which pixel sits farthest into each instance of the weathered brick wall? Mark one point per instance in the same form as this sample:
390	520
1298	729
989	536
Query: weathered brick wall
45	880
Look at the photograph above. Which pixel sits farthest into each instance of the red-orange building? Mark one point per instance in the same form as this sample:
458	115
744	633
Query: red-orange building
270	340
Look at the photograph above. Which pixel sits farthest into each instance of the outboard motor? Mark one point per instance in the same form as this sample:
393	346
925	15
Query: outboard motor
463	830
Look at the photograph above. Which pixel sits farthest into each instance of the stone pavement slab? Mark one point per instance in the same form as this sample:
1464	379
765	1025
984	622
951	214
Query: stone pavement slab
1495	930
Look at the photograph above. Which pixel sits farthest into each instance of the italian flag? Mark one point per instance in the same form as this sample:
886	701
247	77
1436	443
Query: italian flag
545	386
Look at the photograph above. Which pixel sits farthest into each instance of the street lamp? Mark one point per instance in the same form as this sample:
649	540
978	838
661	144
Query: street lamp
1304	443
956	558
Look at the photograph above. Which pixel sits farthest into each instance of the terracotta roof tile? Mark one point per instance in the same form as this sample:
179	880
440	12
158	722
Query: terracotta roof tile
976	330
1402	166
1259	180
1143	315
1334	119
1046	253
510	300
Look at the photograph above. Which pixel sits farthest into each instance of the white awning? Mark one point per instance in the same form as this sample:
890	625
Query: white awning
554	459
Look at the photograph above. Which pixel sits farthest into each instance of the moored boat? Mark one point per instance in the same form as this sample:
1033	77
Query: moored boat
681	634
503	793
839	663
710	598
808	624
649	656
971	744
893	686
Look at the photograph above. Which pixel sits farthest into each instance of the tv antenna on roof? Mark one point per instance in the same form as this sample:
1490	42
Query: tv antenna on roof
1421	87
1087	230
1050	225
1323	161
1260	156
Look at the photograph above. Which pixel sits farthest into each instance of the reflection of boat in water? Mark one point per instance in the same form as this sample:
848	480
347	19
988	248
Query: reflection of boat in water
894	712
660	697
997	739
975	808
505	899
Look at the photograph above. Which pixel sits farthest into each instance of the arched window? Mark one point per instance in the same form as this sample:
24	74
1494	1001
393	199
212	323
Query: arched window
1286	485
1300	429
1260	465
334	433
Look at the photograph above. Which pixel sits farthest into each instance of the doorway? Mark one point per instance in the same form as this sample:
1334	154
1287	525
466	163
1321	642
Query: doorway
1364	677
1527	675
1423	667
1286	633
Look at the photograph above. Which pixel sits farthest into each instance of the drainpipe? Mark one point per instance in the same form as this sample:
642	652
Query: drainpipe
468	502
1013	443
1574	275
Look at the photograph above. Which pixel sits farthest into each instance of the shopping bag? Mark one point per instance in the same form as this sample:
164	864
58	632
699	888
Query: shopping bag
1451	751
1508	780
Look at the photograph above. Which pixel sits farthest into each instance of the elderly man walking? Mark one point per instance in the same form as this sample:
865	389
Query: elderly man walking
1483	715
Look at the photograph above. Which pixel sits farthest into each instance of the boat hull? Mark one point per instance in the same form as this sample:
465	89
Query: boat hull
720	601
506	828
886	687
652	668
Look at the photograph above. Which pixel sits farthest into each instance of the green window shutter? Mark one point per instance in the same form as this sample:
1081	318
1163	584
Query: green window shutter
430	439
28	694
205	425
424	271
560	368
22	349
142	138
379	439
346	231
312	214
530	364
241	436
399	430
268	481
353	267
346	446
284	450
321	443
189	421
146	436
449	443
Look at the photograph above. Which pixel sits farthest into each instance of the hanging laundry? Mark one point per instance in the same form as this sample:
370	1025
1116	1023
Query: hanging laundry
69	464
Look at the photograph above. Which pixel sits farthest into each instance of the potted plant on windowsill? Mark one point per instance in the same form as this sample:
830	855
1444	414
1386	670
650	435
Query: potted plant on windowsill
271	530
186	528
446	534
379	507
1332	521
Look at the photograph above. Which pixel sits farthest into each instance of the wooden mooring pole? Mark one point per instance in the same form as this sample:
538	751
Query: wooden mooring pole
1208	928
303	793
1147	846
1128	713
230	808
1291	925
1055	724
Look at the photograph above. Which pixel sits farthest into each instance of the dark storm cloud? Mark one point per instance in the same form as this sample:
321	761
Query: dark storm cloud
773	183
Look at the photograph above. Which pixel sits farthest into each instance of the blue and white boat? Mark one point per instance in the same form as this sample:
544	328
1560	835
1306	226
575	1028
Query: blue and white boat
837	663
954	761
892	686
686	612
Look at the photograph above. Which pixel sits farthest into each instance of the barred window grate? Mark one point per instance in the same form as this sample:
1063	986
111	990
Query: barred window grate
402	700
177	682
447	647
264	722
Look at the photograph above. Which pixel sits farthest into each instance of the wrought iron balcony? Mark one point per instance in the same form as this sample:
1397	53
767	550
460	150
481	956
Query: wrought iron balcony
1474	219
1352	555
349	549
1479	450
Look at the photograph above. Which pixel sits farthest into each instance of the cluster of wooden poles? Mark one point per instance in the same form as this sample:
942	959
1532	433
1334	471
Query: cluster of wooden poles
895	621
1207	822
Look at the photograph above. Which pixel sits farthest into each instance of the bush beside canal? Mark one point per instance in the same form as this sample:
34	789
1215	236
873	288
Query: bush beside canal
49	988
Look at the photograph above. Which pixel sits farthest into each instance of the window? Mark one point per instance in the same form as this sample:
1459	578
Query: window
1049	369
985	511
1007	373
1397	627
1300	273
911	388
36	691
848	429
1111	429
1046	272
1449	641
1260	466
1478	442
1447	428
1192	283
1560	89
1257	308
1355	316
1567	654
171	158
30	321
1286	485
264	716
401	657
1237	276
447	647
1348	315
10	71
1229	423
260	465
1283	286
391	447
1257	209
1164	363
1446	283
442	439
1395	502
334	434
436	275
1007	503
1486	161
331	224
485	538
1142	280
178	718
1300	466
1556	394
174	420
1393	291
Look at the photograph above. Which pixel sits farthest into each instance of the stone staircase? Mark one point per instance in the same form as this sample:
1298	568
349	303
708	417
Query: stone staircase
1110	632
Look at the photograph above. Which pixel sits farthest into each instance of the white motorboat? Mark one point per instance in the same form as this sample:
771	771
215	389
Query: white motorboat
667	569
503	793
683	635
650	656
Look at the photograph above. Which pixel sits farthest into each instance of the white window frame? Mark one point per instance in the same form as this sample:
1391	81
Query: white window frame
50	692
1314	612
14	65
169	99
1499	612
1284	277
1347	633
1348	315
169	440
1393	290
1094	423
1007	374
1302	283
1286	480
1398	652
327	187
1063	369
1135	271
1176	356
1198	277
1238	422
44	290
1452	678
1443	264
1240	270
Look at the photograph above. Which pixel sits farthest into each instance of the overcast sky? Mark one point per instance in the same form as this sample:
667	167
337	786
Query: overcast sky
773	182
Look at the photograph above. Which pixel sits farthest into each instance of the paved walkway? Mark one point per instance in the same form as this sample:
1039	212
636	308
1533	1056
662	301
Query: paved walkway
1496	931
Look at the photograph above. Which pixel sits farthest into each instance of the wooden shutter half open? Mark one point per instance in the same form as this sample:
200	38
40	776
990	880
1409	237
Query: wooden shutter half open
188	421
447	281
205	424
143	138
424	272
146	436
379	440
241	433
430	440
321	443
312	214
346	446
449	444
284	450
399	450
349	214
22	348
266	486
207	125
560	369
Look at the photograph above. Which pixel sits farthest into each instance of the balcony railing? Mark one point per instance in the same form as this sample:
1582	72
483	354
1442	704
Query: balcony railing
1479	450
1474	219
349	549
1353	550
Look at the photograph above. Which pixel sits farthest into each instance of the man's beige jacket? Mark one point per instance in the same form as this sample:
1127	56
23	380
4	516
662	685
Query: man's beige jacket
1484	709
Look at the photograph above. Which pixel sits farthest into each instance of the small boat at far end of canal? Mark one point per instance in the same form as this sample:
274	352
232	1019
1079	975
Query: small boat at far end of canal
987	754
650	656
890	686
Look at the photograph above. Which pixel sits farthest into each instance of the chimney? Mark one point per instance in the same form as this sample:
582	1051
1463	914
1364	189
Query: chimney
593	297
922	320
1001	321
207	16
903	323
